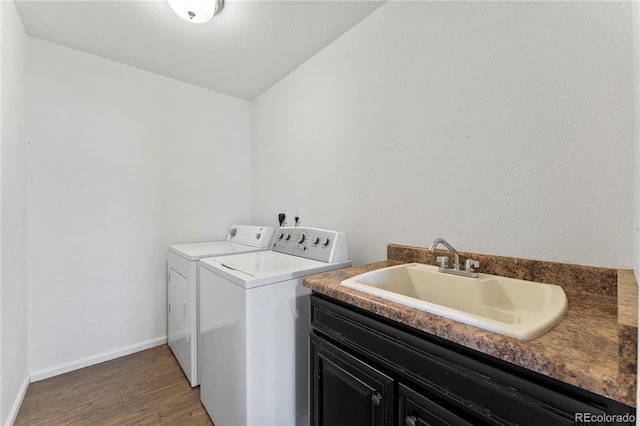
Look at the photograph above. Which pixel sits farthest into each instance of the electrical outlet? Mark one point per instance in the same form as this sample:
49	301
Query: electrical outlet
282	217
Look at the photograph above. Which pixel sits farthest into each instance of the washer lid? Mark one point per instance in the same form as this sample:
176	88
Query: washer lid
250	270
267	263
196	251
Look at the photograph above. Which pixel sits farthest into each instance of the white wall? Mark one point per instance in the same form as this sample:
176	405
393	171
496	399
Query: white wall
636	135
13	214
121	163
504	127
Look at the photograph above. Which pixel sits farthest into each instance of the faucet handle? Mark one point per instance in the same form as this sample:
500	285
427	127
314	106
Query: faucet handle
443	262
471	265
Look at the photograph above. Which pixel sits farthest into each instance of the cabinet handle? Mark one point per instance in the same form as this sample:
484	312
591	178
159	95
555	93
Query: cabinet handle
376	398
410	421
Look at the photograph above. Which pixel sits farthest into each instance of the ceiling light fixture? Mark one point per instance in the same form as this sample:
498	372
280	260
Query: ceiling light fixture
196	11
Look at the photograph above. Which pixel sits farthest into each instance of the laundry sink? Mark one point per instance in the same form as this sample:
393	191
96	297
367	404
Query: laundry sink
516	308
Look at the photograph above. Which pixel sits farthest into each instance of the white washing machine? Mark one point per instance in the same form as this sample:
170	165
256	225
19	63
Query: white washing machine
254	319
182	288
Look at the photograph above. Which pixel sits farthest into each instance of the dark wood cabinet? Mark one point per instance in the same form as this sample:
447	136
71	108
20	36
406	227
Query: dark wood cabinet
368	370
349	391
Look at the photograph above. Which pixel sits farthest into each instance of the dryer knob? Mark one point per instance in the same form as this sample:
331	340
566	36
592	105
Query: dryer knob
301	239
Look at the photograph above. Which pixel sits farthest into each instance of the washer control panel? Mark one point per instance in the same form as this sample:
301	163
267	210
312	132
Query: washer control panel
311	243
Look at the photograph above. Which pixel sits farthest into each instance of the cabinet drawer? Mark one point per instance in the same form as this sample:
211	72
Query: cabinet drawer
418	410
474	387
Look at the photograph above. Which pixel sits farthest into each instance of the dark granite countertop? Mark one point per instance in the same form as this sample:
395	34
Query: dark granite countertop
594	347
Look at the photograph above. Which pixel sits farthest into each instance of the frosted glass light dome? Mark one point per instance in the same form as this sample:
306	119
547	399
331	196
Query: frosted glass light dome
196	11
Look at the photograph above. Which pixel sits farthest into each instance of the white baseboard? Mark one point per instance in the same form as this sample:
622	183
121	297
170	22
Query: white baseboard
95	359
18	402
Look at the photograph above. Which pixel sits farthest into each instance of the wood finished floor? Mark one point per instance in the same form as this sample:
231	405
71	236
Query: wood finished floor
145	388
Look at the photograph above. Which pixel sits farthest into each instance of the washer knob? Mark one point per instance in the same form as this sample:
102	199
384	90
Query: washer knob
302	236
287	236
316	240
325	241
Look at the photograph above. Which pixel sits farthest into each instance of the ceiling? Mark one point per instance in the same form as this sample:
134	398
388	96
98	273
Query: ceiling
245	49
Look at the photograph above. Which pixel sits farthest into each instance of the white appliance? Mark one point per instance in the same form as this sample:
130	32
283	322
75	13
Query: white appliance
254	319
182	288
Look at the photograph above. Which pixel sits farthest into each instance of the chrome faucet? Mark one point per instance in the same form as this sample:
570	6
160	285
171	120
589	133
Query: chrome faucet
469	267
456	256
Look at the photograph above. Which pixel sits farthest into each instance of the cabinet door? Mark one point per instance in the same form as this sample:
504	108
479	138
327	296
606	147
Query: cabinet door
418	410
346	391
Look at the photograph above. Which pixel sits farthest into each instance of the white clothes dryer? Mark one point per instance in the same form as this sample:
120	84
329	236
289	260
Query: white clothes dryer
254	319
182	288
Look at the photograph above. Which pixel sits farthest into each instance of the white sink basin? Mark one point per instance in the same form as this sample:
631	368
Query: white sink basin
516	308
